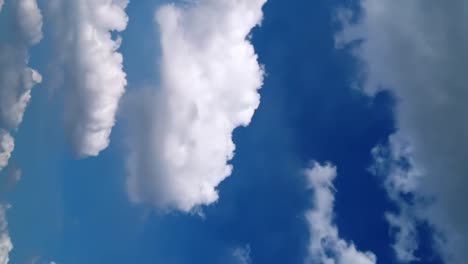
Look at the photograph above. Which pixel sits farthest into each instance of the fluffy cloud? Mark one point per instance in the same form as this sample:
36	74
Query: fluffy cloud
418	50
5	242
16	78
325	245
90	67
181	134
29	21
7	144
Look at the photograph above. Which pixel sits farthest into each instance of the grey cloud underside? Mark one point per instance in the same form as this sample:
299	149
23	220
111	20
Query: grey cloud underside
180	137
16	78
418	50
89	67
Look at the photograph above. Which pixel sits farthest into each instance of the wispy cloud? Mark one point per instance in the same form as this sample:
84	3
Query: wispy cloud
418	51
180	136
325	245
242	255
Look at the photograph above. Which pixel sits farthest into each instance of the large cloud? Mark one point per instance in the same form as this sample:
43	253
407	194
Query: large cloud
181	136
325	245
16	78
93	77
418	50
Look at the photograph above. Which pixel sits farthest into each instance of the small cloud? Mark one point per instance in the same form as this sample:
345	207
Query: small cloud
9	178
325	245
242	255
5	242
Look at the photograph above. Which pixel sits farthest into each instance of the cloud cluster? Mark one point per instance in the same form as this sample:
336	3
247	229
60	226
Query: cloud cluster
89	67
16	78
418	50
180	136
325	245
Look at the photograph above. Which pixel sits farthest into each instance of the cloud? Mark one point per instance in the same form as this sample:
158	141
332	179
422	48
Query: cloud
394	164
7	144
5	242
16	78
29	21
180	136
90	67
325	245
10	177
242	255
40	260
418	50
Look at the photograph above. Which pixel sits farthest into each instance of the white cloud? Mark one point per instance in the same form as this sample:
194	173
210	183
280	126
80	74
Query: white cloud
29	21
90	68
16	78
5	242
7	144
325	245
418	50
181	135
393	163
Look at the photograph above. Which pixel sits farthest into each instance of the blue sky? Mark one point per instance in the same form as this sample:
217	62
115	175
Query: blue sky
347	133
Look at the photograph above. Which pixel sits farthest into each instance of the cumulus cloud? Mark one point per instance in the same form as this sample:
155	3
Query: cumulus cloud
7	144
418	50
89	67
325	245
16	78
5	242
181	134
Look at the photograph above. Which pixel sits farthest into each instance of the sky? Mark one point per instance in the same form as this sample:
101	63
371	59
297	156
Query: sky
233	131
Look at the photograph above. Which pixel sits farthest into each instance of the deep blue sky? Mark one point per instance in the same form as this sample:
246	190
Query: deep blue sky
77	211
